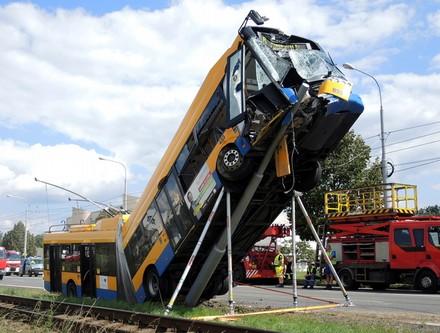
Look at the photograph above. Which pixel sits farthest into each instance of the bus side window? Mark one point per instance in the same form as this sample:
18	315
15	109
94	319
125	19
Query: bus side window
181	214
105	259
46	257
402	237
419	238
168	218
235	84
152	224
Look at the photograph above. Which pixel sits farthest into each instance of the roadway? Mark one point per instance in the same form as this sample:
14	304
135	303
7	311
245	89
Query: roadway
388	301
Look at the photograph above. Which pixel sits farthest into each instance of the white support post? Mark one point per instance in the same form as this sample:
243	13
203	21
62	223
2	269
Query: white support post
294	285
193	255
230	269
348	302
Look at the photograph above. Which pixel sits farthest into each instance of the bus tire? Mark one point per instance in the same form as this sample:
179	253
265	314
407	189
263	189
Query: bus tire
232	165
71	289
152	284
346	276
427	281
307	176
1	277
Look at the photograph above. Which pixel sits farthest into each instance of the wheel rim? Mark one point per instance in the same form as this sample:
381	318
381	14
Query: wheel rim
426	282
231	158
153	284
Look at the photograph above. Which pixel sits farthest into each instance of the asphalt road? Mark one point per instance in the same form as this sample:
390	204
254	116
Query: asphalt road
269	296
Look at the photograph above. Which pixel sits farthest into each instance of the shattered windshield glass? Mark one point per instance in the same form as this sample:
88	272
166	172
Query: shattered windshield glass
313	65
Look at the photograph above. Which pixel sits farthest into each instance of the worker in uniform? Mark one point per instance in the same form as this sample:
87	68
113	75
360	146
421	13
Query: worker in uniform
278	264
327	270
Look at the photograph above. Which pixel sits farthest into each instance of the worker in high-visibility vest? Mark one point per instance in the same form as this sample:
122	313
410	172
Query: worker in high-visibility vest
327	270
278	263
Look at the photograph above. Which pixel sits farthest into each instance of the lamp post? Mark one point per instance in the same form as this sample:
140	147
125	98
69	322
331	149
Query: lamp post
125	178
25	220
382	136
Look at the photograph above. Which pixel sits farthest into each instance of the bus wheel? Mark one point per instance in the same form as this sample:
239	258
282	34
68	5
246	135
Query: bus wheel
1	277
346	276
71	289
231	164
152	284
307	176
427	281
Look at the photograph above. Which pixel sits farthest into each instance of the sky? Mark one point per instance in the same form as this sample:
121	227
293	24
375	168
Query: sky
81	80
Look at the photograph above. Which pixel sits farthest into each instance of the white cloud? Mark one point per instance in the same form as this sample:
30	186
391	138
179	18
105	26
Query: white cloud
434	22
435	62
69	166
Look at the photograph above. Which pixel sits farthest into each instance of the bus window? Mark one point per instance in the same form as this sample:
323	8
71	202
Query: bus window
167	216
235	85
402	237
70	257
181	160
181	214
105	259
419	238
434	236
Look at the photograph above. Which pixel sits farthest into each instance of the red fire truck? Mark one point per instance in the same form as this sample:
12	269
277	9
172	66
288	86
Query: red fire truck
13	262
2	262
258	264
379	241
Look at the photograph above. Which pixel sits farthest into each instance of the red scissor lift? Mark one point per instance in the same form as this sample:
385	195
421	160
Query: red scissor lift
258	264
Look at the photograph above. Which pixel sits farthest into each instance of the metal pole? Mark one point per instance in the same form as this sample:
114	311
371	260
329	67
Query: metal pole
229	235
348	302
193	255
25	231
294	285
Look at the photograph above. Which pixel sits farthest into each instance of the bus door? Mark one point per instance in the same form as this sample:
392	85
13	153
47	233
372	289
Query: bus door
55	268
88	275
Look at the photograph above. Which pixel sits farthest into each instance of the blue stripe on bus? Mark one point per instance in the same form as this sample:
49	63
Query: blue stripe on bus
140	295
64	289
106	293
164	259
243	145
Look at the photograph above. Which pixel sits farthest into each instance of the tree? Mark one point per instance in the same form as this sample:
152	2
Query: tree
303	250
39	241
348	166
429	210
14	239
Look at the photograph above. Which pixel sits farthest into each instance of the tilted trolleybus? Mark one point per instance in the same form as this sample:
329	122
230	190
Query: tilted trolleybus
270	109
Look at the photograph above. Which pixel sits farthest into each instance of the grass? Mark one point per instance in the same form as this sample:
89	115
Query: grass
326	322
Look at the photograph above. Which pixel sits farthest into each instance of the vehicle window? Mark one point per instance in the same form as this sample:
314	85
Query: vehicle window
105	259
434	236
13	256
46	257
181	160
168	218
2	254
235	85
181	213
70	258
419	237
402	237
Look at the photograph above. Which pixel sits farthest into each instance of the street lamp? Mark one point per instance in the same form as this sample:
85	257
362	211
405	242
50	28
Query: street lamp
382	136
125	178
25	220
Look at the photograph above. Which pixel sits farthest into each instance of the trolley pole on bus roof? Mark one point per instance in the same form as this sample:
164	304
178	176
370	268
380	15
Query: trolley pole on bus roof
229	235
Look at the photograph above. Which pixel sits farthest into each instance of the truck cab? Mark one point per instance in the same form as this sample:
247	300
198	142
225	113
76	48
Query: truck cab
13	262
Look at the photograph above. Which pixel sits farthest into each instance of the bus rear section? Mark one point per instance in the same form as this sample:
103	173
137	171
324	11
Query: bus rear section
81	261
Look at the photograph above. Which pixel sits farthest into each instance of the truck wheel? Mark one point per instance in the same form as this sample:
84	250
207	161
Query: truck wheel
379	285
346	276
427	281
1	277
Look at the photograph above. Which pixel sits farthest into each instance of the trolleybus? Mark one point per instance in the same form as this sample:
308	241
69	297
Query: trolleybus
265	87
